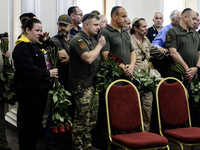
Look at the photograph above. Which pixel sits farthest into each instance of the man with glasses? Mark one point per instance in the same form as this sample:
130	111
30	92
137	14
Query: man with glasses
76	15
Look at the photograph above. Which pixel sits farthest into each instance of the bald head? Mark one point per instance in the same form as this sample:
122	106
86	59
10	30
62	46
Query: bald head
127	24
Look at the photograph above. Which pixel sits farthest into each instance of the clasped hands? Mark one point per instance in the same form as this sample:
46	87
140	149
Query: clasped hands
128	70
190	73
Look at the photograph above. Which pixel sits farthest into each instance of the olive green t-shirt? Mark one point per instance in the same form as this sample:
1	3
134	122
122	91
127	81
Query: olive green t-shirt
79	71
117	43
186	43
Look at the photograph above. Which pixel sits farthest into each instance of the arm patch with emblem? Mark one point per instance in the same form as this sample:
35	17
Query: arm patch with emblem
168	38
82	44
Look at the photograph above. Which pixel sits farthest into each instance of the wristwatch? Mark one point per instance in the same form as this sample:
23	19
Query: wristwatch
198	68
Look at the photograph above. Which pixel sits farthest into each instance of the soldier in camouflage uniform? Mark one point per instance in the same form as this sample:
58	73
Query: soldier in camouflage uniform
83	66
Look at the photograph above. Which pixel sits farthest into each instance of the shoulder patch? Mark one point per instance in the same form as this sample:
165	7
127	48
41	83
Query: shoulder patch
80	39
82	45
168	39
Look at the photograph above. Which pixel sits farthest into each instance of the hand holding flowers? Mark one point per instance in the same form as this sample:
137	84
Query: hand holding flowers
60	107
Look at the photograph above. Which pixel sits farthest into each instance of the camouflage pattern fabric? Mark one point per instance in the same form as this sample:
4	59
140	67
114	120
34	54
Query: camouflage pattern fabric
85	118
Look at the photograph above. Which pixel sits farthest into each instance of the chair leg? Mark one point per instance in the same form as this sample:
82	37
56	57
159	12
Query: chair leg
109	146
181	146
168	147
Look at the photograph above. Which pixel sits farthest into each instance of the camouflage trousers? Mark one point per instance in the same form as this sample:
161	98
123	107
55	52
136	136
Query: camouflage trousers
146	102
85	118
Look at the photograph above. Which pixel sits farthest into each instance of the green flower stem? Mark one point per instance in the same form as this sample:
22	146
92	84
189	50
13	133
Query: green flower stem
177	67
7	91
91	105
56	83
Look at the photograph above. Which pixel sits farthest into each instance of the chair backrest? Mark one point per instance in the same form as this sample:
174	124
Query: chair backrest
123	106
172	102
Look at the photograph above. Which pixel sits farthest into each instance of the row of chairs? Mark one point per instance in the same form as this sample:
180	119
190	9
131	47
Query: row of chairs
124	115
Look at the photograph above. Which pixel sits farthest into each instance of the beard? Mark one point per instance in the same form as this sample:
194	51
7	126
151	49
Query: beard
63	33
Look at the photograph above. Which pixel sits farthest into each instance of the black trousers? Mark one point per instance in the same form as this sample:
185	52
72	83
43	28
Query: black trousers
32	104
3	140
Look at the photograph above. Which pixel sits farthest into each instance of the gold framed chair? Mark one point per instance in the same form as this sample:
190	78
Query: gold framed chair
124	114
174	114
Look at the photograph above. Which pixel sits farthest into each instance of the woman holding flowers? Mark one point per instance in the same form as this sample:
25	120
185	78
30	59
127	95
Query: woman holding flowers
32	81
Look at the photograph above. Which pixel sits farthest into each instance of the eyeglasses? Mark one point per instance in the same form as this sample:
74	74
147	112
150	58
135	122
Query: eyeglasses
79	15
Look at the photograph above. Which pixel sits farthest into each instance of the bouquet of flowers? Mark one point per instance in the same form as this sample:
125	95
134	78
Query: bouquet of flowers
7	91
61	119
193	87
108	72
194	90
144	82
177	67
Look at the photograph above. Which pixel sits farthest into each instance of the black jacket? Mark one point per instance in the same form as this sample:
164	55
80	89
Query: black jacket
30	65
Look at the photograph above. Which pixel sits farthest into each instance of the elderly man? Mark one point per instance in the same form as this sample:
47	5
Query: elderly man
103	21
144	49
128	24
159	40
157	26
196	25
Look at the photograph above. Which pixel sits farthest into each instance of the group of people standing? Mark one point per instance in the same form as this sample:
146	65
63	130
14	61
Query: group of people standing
80	49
